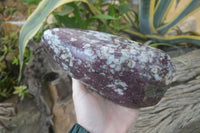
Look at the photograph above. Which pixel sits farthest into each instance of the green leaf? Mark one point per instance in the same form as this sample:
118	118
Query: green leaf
126	26
192	7
124	8
162	44
111	10
28	56
36	20
68	22
31	1
21	91
15	61
156	3
132	17
161	11
106	17
66	11
5	49
146	10
176	39
135	34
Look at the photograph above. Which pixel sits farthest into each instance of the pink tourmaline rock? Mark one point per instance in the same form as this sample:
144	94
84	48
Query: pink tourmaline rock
122	70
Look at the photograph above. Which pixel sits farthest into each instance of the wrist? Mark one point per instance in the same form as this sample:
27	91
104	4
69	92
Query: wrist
117	128
108	128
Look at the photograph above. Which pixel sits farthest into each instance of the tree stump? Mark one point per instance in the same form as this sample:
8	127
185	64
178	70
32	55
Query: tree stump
179	109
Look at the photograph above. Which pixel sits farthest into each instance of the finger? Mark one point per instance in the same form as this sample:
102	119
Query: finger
78	88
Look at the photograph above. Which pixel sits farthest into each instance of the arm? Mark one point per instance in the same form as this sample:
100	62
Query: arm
99	115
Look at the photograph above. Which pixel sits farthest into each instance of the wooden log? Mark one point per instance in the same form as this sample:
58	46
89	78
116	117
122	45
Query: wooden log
179	109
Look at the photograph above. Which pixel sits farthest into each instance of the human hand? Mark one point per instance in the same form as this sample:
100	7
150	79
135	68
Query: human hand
99	115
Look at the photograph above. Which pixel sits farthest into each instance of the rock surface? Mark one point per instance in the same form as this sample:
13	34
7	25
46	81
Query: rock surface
124	71
190	24
25	120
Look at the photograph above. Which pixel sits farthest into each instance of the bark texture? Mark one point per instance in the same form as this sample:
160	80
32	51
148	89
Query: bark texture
179	109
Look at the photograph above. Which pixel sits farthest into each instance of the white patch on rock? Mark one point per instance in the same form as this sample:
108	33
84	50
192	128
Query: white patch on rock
48	35
63	56
119	91
53	40
125	88
134	45
102	74
103	66
56	50
118	68
132	51
123	84
154	70
123	58
116	41
116	84
93	57
49	42
71	63
131	64
98	53
112	65
112	71
103	36
89	51
157	77
73	39
104	51
56	29
79	62
110	59
143	58
111	85
87	45
65	67
111	50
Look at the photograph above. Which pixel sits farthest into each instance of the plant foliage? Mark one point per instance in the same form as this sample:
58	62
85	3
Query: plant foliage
148	24
31	1
151	22
9	57
9	64
73	15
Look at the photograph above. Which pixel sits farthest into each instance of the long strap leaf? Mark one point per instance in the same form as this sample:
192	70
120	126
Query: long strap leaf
191	8
135	34
146	9
176	39
36	20
131	18
161	11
